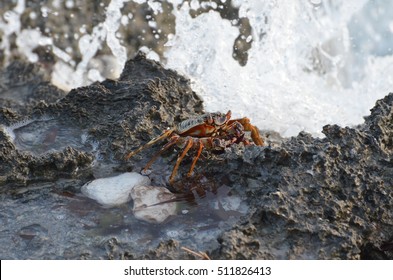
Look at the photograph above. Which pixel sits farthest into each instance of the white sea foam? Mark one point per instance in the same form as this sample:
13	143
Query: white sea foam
89	44
281	87
10	25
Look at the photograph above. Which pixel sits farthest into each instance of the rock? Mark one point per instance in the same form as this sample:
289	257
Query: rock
115	190
33	231
153	204
114	117
320	198
306	197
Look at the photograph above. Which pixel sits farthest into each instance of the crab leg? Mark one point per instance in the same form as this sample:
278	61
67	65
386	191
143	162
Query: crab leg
188	146
151	143
194	161
171	142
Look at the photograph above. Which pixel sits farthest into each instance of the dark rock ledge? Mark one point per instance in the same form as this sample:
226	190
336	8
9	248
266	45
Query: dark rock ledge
309	198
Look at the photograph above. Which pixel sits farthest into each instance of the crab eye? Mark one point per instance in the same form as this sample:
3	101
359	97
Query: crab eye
220	119
209	119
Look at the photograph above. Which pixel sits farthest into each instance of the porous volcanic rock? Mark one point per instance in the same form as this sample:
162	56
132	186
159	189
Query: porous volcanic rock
309	198
314	198
118	115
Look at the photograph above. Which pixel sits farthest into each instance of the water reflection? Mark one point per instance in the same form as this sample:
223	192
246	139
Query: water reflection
47	135
60	222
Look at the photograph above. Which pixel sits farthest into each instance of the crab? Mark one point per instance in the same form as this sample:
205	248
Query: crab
212	131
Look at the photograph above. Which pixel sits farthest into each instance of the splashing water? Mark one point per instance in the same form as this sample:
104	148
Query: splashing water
310	63
90	44
306	68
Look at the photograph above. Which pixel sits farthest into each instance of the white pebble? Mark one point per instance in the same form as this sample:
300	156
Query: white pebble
115	190
153	204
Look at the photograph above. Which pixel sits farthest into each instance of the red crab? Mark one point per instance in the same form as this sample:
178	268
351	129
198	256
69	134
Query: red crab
213	131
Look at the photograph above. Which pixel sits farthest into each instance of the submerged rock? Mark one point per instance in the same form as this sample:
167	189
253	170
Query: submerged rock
114	190
153	204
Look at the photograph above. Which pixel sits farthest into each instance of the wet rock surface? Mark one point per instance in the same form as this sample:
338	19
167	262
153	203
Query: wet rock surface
296	198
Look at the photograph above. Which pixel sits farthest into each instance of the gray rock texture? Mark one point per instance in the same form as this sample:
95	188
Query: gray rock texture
308	198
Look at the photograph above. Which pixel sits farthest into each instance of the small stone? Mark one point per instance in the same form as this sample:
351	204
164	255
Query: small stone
153	204
115	190
33	231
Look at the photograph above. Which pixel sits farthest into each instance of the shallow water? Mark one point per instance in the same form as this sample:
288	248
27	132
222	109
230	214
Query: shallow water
54	220
47	135
45	221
